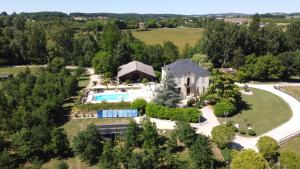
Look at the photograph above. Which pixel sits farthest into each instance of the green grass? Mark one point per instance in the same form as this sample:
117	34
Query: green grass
73	126
266	111
16	70
179	36
83	81
291	146
292	90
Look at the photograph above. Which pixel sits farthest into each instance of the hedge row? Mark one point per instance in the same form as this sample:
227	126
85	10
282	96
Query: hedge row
101	106
178	114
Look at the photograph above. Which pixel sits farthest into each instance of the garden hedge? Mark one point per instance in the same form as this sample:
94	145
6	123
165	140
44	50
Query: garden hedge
178	114
101	106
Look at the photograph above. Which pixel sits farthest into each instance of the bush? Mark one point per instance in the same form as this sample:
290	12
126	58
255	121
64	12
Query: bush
230	124
79	71
191	102
101	106
145	80
139	104
222	135
268	147
128	81
62	165
242	131
158	74
200	103
251	132
178	114
224	107
248	159
108	75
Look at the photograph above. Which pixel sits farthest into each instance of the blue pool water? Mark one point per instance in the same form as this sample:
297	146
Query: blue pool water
113	97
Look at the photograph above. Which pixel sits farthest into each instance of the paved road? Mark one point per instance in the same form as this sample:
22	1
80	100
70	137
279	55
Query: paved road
290	127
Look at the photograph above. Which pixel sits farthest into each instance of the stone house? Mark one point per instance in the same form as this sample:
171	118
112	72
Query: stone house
191	79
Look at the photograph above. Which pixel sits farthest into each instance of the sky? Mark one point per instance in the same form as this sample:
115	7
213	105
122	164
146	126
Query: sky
152	6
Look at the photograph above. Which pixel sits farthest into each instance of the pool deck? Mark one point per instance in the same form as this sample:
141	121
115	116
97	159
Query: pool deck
136	91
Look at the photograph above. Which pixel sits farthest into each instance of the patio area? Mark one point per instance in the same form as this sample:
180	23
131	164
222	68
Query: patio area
121	92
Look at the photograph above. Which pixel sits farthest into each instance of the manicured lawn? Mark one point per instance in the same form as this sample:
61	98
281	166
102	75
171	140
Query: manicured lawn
292	90
15	70
266	111
292	146
179	36
83	81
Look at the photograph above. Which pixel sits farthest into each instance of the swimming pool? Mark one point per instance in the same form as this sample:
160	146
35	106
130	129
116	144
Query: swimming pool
112	97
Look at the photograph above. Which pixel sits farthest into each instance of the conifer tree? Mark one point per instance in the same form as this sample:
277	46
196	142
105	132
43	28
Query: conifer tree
168	94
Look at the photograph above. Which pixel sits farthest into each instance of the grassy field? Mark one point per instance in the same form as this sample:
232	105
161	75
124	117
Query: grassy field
266	111
179	36
291	146
292	90
15	70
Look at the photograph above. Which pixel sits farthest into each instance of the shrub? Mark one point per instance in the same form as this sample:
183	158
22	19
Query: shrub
230	124
101	106
128	81
145	80
139	104
94	83
191	102
79	71
268	147
248	159
62	165
200	103
177	114
224	107
108	75
242	131
251	132
222	135
158	74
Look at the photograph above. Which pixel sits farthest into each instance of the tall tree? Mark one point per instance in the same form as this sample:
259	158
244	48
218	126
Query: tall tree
201	153
88	144
167	94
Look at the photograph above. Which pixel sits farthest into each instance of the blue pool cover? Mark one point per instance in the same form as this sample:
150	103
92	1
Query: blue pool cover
117	113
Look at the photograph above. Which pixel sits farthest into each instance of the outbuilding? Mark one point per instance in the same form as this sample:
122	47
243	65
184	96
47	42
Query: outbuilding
136	71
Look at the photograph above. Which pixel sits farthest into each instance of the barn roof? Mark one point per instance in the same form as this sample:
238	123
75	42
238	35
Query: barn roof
135	66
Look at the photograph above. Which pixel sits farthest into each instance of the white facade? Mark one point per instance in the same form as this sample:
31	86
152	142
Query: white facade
190	84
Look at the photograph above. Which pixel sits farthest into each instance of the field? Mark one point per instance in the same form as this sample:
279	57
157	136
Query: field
291	146
15	70
292	90
266	111
179	36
